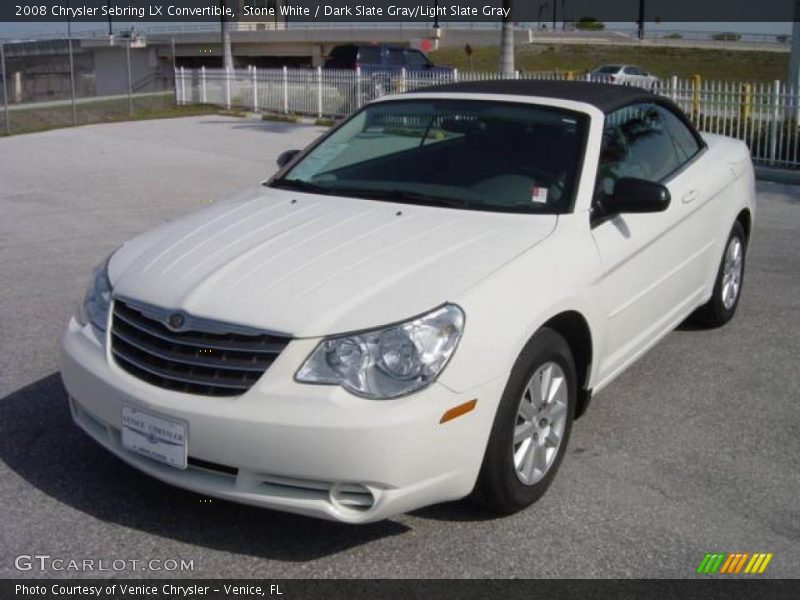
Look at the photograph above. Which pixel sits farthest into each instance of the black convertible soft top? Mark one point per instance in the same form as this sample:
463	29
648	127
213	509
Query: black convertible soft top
607	97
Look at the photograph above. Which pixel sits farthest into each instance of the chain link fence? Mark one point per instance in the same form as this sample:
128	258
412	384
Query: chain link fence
68	82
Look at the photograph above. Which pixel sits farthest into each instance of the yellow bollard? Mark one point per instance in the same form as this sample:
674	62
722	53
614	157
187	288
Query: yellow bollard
697	81
746	104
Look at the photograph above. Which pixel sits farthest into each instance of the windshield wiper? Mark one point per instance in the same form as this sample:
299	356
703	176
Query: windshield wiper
406	196
392	195
302	186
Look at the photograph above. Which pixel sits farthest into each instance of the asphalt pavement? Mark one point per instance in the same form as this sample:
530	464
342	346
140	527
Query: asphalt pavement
693	450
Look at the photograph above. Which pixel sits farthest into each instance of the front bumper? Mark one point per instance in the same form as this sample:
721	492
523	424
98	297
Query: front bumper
308	449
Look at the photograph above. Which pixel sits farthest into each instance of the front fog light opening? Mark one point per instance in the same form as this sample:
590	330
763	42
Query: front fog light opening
351	497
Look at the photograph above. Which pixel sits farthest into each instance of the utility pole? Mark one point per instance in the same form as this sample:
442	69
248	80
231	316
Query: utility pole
641	19
5	86
110	28
507	41
542	6
227	53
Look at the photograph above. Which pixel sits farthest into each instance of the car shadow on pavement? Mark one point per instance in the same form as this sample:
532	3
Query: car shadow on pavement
458	511
42	445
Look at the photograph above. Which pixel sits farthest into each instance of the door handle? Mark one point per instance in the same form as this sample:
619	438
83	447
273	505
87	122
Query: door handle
691	196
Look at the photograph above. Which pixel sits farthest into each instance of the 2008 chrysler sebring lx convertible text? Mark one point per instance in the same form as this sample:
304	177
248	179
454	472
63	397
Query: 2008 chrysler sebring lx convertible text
415	308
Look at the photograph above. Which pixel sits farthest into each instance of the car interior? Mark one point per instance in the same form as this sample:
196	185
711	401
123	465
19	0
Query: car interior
491	161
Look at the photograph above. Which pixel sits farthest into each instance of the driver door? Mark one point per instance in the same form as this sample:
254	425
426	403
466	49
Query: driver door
649	276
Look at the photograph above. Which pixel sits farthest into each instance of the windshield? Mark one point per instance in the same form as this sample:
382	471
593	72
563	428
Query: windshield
478	155
608	69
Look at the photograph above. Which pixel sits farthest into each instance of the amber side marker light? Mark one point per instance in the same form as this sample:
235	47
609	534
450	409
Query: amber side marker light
457	411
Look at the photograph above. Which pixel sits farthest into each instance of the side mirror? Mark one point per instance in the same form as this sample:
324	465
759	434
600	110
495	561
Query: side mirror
637	196
286	157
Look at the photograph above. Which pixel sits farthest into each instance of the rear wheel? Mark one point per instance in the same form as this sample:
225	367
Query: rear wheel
728	284
531	428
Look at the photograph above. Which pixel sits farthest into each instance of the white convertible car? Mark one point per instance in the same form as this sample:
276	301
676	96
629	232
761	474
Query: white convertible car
415	308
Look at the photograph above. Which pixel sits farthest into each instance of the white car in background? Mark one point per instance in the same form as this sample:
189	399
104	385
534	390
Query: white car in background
624	74
415	308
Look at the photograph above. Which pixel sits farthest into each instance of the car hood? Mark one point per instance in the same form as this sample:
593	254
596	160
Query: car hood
310	265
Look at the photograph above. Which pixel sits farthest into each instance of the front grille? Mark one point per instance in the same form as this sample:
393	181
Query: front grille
193	361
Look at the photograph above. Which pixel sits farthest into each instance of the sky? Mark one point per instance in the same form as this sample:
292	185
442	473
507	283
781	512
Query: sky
25	30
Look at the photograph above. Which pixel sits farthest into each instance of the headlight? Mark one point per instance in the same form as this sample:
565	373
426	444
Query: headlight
96	302
387	362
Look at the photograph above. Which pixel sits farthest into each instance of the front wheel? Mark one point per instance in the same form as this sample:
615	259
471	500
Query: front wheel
531	428
728	284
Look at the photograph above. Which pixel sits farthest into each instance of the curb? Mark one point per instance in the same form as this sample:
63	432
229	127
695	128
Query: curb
774	175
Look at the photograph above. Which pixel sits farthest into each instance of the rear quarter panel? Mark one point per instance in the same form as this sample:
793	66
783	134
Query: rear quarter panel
737	195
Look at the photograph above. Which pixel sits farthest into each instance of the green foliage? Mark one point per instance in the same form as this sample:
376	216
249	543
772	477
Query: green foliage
103	111
663	61
590	24
726	36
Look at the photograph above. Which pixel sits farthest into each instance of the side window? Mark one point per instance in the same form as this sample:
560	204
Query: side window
686	143
636	143
416	60
396	57
369	55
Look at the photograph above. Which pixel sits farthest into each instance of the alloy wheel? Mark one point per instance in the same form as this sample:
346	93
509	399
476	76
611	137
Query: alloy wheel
540	423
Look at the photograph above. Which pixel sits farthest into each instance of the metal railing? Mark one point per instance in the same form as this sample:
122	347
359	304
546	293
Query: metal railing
766	116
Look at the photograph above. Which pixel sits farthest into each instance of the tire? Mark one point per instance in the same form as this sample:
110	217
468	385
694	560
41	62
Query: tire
728	283
505	484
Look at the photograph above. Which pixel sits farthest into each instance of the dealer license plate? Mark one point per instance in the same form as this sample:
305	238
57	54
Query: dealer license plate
155	437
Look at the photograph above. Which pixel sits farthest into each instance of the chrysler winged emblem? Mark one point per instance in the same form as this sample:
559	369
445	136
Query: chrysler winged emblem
176	321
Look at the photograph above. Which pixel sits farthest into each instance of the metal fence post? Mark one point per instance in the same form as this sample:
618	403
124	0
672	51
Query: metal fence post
776	115
403	80
130	84
255	89
228	89
358	87
183	87
319	92
673	88
72	75
5	87
455	75
203	88
175	71
285	89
